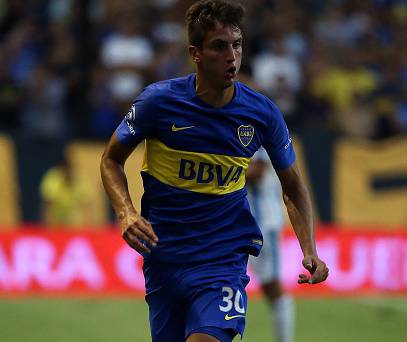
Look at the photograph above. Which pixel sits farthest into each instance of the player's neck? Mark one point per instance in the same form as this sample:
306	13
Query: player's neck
214	96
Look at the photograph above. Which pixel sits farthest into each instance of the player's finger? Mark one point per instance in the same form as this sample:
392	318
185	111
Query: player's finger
137	246
308	264
310	267
139	234
134	243
325	273
316	277
147	229
320	274
303	279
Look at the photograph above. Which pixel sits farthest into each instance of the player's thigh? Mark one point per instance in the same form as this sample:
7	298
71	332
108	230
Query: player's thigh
198	337
211	334
167	317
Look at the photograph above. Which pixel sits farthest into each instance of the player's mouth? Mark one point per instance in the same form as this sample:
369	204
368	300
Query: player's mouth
231	72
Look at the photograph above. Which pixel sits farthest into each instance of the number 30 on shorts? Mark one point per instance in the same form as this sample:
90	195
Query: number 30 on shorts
231	299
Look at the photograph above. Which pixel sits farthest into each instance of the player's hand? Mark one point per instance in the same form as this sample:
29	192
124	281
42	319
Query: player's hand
317	268
138	233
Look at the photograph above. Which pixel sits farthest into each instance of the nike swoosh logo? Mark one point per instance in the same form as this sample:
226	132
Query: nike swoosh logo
228	318
176	129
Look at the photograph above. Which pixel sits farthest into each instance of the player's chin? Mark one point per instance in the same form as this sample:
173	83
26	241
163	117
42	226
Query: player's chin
228	82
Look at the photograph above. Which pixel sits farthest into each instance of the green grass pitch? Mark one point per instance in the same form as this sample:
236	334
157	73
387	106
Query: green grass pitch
373	319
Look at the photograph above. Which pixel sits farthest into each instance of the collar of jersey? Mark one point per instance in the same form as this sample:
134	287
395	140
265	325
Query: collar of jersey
192	92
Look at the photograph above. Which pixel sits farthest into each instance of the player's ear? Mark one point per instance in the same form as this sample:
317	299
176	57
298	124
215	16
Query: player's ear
195	53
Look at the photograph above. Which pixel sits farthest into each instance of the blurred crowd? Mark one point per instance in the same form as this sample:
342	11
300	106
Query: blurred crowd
71	68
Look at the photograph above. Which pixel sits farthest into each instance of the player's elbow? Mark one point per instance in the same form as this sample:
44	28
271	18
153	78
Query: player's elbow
106	164
104	161
286	199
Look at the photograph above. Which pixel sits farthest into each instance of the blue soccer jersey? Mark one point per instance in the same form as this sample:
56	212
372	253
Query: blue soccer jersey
193	172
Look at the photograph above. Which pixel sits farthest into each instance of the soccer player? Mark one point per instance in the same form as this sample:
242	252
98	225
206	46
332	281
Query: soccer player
195	229
264	195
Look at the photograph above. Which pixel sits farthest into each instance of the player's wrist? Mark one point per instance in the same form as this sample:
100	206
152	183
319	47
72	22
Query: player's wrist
126	211
311	252
127	216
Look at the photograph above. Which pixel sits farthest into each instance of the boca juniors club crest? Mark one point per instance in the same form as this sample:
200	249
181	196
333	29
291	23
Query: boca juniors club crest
245	134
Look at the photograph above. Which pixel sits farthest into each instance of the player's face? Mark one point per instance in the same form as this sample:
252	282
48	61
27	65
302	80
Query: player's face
220	57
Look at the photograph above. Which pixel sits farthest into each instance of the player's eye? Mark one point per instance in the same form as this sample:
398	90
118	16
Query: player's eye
218	46
237	44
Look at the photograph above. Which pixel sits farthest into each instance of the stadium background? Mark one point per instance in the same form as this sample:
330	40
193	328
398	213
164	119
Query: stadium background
69	70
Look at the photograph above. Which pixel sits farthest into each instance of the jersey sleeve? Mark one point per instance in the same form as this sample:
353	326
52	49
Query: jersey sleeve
277	141
139	122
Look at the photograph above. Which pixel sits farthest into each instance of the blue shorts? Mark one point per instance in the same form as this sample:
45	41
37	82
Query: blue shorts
208	298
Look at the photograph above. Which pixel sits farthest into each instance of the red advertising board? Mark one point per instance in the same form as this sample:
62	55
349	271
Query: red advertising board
34	261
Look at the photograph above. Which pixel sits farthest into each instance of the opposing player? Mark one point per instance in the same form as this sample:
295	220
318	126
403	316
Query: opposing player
195	230
264	194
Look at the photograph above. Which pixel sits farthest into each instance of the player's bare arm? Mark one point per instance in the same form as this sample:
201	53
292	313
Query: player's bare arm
135	229
298	203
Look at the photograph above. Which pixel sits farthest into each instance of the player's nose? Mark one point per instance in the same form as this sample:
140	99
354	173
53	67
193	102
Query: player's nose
230	54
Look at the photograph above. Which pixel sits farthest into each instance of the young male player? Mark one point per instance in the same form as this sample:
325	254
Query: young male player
264	195
195	230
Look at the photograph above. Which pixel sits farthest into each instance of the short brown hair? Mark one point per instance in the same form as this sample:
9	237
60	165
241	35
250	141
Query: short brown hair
203	15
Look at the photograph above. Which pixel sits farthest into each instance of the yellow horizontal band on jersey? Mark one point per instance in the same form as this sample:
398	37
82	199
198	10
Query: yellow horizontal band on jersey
195	171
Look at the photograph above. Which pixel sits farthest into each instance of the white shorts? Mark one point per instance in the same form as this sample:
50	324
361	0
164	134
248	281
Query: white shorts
266	266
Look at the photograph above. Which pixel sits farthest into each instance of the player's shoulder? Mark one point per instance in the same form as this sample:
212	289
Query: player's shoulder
148	104
167	89
258	100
